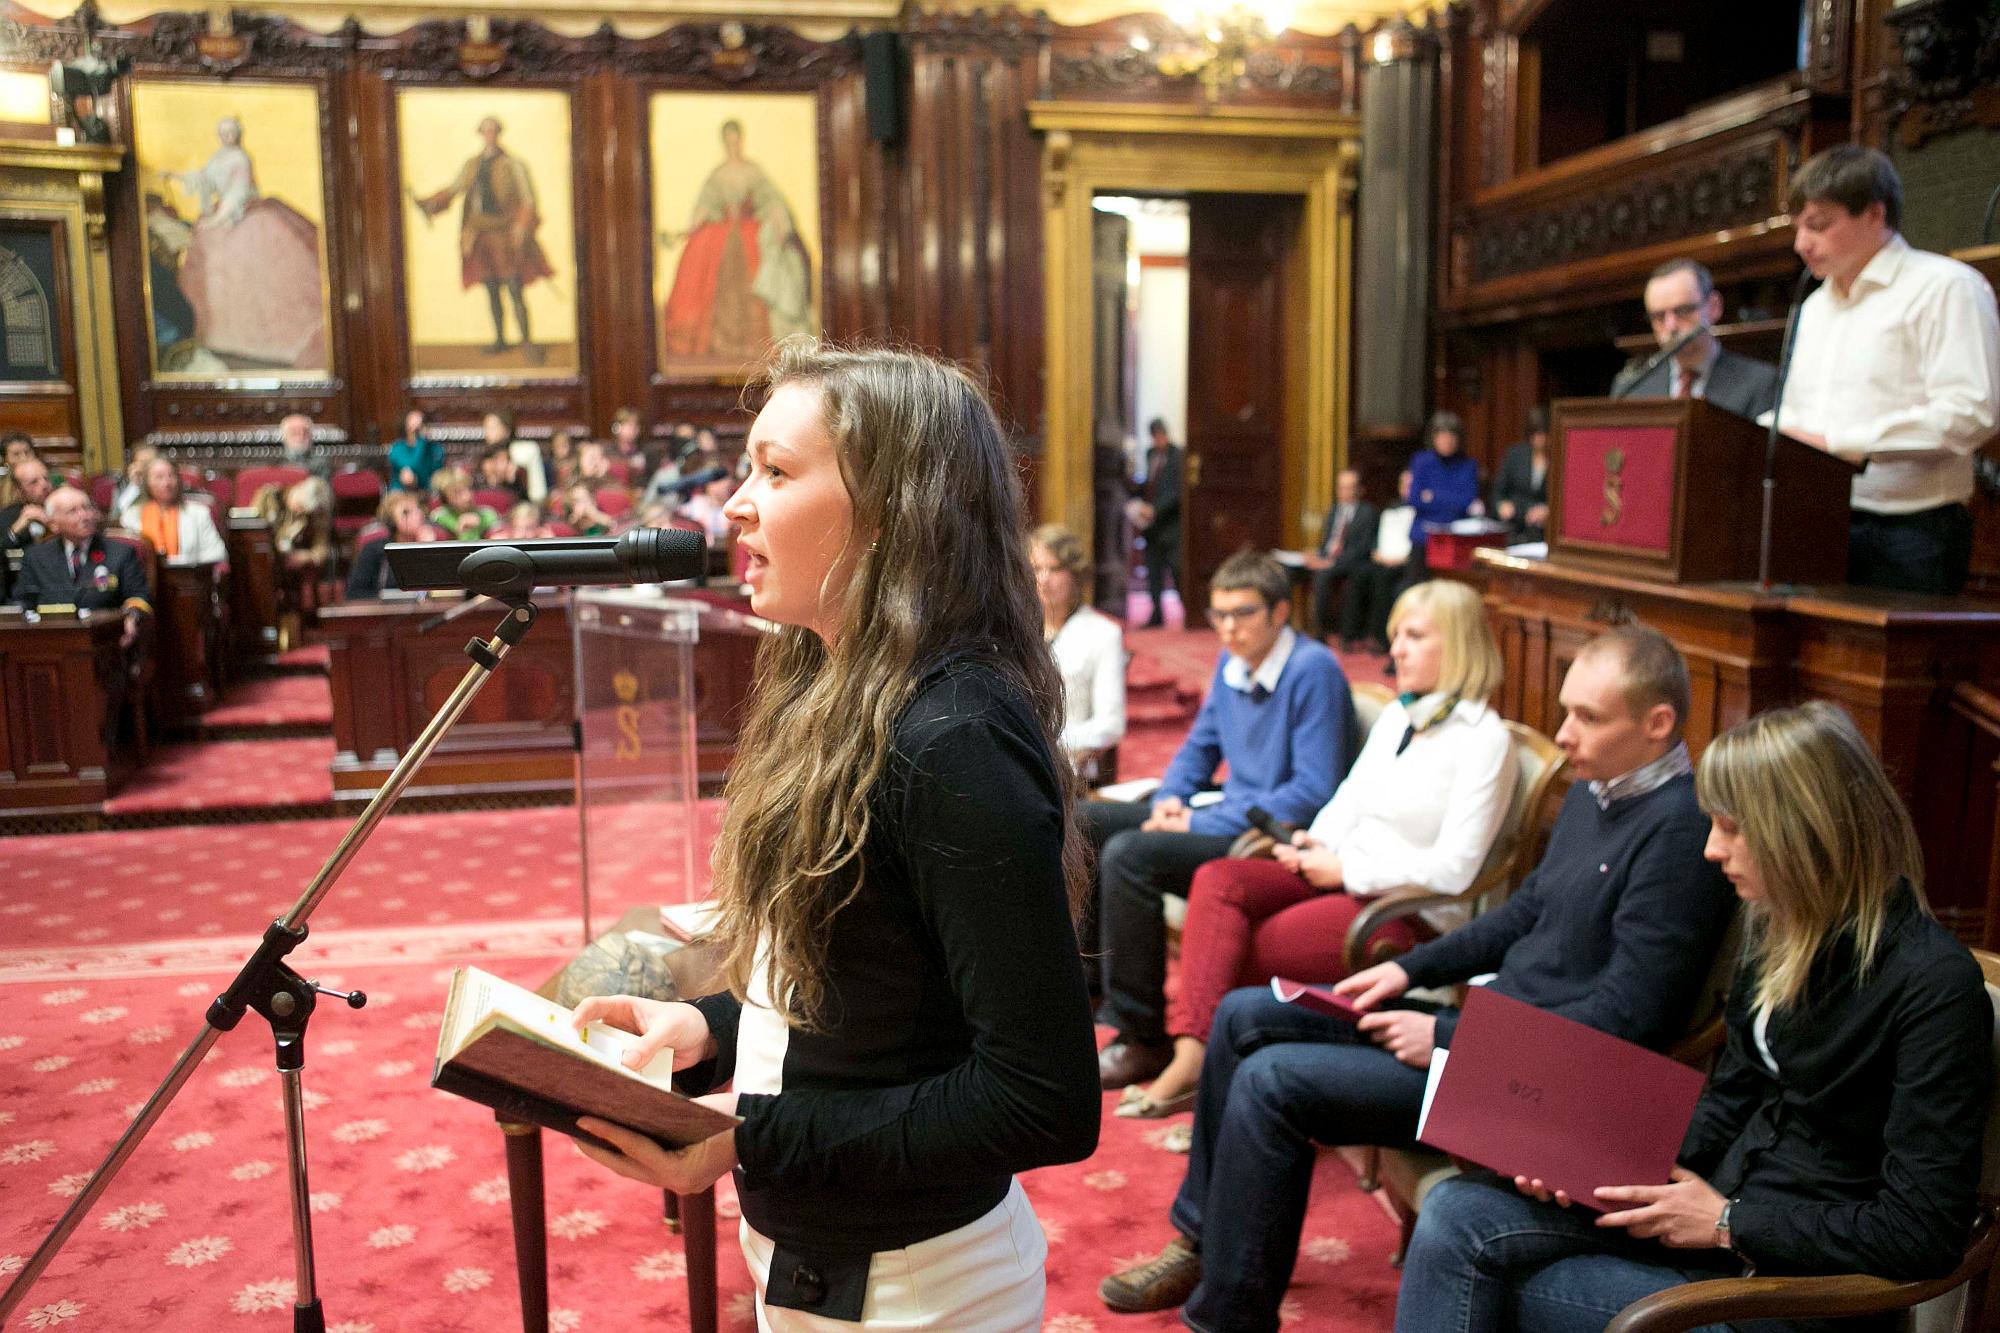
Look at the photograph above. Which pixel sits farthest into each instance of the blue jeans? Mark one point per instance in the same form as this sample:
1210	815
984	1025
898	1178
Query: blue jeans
1486	1257
1276	1080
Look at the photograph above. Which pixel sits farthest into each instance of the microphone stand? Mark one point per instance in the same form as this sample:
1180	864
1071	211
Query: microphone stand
1653	362
1771	438
285	999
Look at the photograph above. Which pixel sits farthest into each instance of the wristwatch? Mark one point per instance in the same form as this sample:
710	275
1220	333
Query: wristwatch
1723	1239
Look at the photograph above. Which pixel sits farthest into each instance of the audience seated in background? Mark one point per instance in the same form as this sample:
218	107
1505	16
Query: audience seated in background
26	520
181	529
530	476
705	507
78	567
524	522
302	526
1616	928
1374	587
1278	713
702	455
456	512
580	511
499	472
414	456
1840	1131
1345	543
295	437
593	465
1521	486
627	441
131	488
1089	646
560	463
1421	806
402	519
15	447
1444	480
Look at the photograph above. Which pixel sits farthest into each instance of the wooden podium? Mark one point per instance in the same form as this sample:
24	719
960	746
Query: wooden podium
1672	489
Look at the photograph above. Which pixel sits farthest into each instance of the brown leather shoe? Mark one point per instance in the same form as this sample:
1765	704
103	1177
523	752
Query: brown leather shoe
1123	1063
1161	1283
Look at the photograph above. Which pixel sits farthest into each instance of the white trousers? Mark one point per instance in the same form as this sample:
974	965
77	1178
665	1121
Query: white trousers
985	1277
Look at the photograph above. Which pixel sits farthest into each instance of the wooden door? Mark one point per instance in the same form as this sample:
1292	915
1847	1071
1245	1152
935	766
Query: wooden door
1110	412
1238	251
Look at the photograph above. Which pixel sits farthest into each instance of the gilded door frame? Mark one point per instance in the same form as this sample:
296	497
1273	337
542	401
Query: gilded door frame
1091	148
65	183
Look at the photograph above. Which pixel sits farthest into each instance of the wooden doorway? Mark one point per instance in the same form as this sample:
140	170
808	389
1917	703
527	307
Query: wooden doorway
1242	337
1301	405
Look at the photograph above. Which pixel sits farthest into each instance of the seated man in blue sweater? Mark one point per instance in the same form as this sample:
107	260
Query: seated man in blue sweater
1615	928
1279	714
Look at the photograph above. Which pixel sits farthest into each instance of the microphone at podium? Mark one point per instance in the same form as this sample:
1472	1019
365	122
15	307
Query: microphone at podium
515	568
1626	381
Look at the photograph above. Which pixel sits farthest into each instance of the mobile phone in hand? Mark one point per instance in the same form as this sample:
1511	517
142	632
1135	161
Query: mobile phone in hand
1270	826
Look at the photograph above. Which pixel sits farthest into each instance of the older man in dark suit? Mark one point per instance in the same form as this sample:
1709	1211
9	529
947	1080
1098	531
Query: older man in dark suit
78	567
1681	296
1345	541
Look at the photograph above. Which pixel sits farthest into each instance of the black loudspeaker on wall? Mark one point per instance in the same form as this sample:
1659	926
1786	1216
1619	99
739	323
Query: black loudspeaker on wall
882	63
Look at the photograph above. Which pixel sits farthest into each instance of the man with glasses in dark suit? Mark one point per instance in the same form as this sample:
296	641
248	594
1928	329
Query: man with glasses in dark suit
1681	296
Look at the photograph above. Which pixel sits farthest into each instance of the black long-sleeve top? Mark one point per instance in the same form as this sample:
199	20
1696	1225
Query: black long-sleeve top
1615	928
957	1046
1862	1153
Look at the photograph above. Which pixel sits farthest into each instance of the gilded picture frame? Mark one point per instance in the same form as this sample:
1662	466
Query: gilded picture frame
489	234
735	193
232	195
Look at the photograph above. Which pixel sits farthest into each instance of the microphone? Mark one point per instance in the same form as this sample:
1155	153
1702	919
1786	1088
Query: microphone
694	481
515	568
1657	359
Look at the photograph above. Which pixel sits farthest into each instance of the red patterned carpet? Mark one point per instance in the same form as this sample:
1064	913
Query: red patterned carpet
224	775
274	701
112	943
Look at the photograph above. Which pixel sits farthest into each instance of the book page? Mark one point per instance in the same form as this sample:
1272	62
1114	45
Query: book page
1438	1057
480	1000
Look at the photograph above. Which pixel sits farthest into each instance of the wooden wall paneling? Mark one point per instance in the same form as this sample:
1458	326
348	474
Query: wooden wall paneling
614	204
176	48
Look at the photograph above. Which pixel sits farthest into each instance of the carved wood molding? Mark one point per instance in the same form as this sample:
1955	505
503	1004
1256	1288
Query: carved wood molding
1129	58
730	53
1947	76
1730	187
1004	34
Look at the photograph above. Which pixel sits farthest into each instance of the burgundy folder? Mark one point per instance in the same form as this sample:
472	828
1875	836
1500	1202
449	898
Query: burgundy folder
1321	999
1526	1093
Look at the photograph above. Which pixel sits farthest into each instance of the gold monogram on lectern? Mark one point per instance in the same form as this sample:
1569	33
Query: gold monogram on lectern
1614	487
626	686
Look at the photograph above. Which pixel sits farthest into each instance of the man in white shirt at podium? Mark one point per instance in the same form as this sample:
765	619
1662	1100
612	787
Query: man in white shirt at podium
1681	296
1896	367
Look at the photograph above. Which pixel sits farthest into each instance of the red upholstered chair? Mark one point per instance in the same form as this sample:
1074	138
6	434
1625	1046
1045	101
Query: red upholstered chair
103	490
558	528
619	471
191	479
223	487
615	501
253	479
357	492
497	500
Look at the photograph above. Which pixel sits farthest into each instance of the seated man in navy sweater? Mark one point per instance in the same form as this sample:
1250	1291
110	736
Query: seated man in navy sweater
1615	928
1279	714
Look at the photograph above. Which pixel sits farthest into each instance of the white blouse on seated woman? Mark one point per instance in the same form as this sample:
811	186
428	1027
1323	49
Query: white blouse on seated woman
1427	815
1090	652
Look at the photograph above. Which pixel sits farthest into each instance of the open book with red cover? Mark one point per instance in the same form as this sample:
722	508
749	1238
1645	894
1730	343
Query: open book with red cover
1527	1093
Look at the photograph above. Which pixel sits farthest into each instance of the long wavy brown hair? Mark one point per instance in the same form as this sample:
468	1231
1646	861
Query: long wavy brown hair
940	570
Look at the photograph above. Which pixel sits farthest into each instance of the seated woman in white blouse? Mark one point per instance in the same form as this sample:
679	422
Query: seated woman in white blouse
1089	647
1422	804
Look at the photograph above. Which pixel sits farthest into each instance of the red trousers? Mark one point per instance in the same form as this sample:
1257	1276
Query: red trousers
1249	921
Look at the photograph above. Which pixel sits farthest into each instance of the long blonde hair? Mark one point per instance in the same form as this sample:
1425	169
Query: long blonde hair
1469	668
1830	836
942	572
